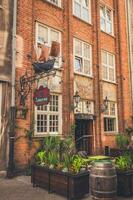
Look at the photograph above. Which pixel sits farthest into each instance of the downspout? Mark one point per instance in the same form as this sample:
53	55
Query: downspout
10	170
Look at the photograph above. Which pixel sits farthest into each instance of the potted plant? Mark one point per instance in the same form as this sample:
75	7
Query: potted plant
124	166
59	170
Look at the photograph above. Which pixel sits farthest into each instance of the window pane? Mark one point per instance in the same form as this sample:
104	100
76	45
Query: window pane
85	14
42	108
111	74
53	123
108	12
41	123
105	72
54	36
109	27
77	9
87	67
78	47
53	103
112	108
102	12
78	64
86	51
109	124
104	57
42	34
85	3
102	24
111	60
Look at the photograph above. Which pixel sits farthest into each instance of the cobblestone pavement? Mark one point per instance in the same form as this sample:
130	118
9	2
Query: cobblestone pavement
20	188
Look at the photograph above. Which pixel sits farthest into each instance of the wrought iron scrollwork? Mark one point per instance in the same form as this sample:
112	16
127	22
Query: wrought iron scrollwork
26	81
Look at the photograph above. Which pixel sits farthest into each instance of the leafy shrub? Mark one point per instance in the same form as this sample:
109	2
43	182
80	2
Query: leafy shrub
41	157
123	162
122	141
52	159
77	164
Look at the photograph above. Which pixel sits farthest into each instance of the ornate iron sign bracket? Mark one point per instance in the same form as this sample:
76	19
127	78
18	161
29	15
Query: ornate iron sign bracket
26	81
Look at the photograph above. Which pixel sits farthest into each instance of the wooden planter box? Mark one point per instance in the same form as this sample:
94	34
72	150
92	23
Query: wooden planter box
40	177
72	186
125	183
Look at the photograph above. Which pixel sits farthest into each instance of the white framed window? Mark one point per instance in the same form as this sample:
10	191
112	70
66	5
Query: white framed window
0	105
46	34
82	9
110	118
55	2
106	19
85	106
108	66
48	118
82	57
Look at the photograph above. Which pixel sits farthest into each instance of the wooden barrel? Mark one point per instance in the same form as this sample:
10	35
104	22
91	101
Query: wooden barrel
103	181
55	49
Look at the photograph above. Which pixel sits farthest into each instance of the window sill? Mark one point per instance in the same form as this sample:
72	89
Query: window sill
111	35
42	135
114	133
107	81
84	75
82	20
54	5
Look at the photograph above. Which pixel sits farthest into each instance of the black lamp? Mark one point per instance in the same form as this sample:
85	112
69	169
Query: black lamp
76	99
104	106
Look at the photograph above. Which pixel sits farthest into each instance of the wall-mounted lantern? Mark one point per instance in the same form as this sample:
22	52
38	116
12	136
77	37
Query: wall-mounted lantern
104	106
76	99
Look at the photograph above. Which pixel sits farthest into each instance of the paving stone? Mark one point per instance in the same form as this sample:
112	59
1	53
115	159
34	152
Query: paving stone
20	188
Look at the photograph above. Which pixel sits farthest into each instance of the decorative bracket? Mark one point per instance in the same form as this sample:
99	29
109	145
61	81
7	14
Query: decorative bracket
26	81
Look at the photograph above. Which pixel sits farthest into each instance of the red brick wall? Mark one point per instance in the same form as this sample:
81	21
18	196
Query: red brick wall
70	26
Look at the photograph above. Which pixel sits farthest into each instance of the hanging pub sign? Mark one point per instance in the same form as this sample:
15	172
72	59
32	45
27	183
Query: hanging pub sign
41	96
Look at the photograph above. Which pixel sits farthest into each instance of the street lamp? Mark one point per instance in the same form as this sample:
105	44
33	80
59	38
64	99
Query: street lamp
76	99
104	106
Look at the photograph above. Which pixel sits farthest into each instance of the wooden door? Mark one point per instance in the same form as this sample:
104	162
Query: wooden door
83	135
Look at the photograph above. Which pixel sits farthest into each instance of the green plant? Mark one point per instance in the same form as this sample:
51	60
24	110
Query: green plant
41	157
29	134
52	159
77	163
51	143
67	150
129	131
122	141
24	112
123	162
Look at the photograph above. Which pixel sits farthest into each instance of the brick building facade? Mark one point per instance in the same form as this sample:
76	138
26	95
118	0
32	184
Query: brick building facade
93	40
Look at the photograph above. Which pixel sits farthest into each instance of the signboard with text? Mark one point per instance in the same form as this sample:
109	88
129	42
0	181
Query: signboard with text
41	96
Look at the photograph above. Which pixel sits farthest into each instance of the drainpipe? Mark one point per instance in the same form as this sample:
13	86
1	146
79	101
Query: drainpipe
10	170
